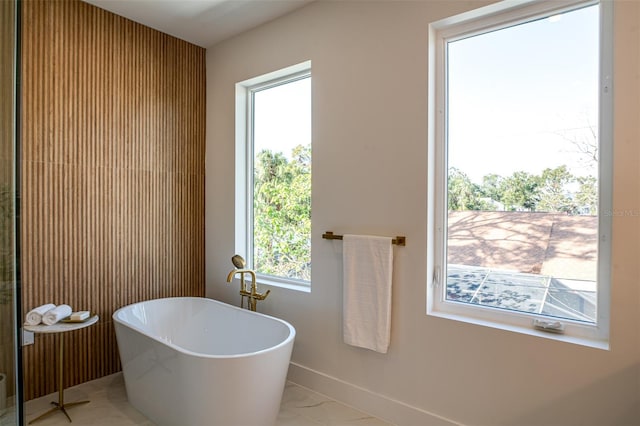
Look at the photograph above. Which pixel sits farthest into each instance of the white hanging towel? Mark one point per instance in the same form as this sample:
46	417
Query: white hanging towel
367	272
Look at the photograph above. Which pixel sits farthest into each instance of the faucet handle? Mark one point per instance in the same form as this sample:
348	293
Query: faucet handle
262	296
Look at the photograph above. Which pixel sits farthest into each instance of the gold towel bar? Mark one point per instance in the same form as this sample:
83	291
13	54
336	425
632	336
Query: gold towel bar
400	241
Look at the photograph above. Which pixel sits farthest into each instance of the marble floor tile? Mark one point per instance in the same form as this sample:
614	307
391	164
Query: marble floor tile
318	409
9	417
109	407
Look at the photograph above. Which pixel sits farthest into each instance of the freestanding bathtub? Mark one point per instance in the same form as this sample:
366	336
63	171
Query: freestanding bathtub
200	362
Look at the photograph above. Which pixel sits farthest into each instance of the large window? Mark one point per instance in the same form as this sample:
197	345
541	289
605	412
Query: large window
274	158
522	160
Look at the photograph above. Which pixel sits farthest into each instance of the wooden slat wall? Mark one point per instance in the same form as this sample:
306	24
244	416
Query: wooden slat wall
113	175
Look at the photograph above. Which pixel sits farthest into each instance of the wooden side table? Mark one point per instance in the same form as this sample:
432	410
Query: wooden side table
60	328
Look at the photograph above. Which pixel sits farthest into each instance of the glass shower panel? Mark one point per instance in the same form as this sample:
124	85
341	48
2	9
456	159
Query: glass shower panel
9	372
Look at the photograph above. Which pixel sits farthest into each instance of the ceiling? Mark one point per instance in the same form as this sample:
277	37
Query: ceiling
201	22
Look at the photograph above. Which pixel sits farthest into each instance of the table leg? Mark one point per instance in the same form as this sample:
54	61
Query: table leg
60	404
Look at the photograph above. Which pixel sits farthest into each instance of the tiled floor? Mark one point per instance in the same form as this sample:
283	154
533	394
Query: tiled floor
109	406
8	418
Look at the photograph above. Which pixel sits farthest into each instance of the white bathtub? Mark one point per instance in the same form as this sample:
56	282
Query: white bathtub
200	362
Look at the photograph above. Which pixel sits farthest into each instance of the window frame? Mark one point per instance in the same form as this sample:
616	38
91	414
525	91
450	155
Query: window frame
494	17
244	162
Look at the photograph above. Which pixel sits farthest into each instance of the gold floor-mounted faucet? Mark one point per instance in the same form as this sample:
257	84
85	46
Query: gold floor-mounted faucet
253	295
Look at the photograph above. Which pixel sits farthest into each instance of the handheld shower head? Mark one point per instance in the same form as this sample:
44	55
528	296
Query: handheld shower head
238	261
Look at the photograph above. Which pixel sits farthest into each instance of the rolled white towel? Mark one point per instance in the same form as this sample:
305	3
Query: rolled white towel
56	314
34	316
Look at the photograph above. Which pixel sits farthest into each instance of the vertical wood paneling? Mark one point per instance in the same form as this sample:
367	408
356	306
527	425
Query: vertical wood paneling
113	164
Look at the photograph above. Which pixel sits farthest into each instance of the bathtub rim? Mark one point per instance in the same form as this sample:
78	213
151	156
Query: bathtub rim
285	342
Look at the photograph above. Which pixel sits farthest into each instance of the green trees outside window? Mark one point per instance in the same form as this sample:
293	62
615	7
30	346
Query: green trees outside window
282	213
553	190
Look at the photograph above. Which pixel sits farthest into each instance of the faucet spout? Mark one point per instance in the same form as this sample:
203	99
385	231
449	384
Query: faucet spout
243	284
232	274
242	272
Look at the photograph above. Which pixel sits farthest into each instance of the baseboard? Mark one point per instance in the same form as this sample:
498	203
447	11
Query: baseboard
372	403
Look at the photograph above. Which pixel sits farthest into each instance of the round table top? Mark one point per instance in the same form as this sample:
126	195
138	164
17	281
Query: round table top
61	327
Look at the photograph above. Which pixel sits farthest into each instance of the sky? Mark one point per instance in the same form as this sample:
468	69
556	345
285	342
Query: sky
283	117
516	95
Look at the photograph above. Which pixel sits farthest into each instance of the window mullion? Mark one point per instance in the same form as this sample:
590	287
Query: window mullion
249	193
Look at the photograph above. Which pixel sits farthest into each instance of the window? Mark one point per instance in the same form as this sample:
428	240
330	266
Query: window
520	156
273	179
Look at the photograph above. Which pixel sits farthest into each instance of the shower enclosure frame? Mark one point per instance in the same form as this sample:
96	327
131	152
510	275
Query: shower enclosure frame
11	148
19	402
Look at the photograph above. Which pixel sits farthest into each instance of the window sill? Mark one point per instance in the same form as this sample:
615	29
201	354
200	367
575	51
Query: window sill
296	285
583	341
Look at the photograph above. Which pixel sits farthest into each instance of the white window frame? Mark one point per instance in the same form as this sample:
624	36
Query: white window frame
497	16
244	159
